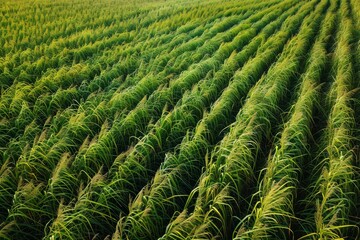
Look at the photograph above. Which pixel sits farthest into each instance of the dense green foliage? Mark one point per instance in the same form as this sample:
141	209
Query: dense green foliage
165	119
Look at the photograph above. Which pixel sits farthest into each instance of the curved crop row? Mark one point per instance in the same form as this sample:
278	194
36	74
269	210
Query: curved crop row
231	168
272	214
165	123
333	193
179	119
178	172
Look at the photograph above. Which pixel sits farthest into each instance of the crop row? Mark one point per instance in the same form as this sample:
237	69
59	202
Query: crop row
179	119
